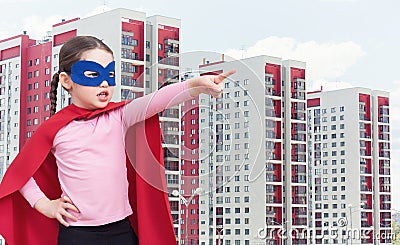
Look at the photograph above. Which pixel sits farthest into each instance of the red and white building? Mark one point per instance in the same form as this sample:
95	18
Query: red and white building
349	157
250	188
146	52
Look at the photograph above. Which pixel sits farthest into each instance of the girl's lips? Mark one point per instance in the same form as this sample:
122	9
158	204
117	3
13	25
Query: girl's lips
103	96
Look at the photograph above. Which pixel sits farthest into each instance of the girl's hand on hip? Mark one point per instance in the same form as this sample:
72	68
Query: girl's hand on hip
57	209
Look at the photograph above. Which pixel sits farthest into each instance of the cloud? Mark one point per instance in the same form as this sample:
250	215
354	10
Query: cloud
38	26
325	61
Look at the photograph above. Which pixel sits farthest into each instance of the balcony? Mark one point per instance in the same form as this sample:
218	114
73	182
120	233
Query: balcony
299	116
384	136
173	113
299	95
299	84
269	199
384	119
384	171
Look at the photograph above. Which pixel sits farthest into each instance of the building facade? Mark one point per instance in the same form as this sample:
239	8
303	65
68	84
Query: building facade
252	154
146	52
349	158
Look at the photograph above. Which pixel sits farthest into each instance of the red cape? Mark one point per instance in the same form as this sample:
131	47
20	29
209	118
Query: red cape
20	224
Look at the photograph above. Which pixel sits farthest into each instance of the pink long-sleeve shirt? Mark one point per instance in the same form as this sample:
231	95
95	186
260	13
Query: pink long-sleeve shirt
91	160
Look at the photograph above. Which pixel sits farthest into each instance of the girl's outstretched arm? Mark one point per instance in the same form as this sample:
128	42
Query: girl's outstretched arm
145	107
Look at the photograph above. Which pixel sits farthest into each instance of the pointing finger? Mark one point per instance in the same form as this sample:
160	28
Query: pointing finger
224	75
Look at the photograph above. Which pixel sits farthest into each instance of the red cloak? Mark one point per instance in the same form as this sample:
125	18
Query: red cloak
20	224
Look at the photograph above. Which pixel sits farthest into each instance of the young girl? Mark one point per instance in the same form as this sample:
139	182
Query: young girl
72	178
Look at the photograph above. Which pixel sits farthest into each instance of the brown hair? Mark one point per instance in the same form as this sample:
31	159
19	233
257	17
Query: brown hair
70	53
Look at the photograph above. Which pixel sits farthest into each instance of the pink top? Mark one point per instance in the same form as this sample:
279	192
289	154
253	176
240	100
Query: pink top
90	156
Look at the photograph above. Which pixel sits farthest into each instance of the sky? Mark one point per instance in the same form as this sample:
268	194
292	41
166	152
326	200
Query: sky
345	43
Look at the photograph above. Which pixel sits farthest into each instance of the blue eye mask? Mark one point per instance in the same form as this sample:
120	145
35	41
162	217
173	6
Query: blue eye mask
90	73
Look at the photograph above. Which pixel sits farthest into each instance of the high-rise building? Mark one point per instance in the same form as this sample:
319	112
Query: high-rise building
25	75
349	159
146	53
252	153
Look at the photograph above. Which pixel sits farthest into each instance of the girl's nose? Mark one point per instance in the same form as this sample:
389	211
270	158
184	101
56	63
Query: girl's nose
104	84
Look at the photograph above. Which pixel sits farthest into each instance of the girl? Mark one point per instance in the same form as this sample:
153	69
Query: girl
74	169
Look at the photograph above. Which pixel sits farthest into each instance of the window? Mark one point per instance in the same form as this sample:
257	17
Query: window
160	46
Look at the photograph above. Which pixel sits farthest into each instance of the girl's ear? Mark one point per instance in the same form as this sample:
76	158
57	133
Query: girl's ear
65	80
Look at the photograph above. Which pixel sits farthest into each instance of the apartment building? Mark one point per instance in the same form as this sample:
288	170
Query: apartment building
349	159
252	153
146	52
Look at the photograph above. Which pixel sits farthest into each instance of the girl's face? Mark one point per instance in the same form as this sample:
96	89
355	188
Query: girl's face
91	97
